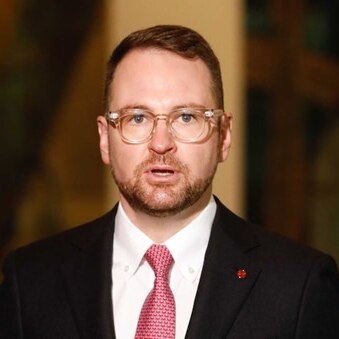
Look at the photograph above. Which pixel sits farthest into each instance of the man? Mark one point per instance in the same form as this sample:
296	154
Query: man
217	276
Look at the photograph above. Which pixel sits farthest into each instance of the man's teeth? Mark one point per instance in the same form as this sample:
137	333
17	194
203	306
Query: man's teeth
162	172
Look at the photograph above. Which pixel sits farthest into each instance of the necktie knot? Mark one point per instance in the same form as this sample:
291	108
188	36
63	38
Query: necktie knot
160	259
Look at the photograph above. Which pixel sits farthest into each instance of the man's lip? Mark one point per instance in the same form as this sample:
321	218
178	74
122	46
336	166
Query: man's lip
161	168
164	174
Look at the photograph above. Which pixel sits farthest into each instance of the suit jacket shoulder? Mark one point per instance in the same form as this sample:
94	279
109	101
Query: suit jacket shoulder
256	284
60	287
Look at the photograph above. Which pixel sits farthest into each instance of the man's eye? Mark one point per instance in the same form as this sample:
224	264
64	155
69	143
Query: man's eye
186	117
137	119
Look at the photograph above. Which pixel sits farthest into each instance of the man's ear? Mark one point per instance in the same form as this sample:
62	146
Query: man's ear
103	139
225	135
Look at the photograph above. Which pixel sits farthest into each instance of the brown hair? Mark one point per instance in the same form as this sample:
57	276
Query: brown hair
180	40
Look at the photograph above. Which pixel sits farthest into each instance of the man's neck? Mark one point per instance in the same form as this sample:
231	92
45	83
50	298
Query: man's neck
159	229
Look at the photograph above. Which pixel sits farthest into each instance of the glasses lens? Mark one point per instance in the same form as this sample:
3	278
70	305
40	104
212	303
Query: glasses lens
189	125
136	125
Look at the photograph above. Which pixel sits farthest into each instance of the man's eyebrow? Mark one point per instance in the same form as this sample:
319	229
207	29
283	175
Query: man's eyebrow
135	106
187	105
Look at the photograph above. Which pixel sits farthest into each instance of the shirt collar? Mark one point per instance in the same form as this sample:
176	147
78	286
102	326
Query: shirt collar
187	247
130	244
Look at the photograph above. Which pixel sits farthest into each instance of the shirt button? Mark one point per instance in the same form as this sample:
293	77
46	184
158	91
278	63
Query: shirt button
126	268
191	270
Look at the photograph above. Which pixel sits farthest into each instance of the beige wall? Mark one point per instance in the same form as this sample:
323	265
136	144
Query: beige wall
221	23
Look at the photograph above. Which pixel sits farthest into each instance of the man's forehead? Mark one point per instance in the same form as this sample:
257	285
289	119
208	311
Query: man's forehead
158	75
146	53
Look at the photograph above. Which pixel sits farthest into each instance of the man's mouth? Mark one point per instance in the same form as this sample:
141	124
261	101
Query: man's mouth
162	172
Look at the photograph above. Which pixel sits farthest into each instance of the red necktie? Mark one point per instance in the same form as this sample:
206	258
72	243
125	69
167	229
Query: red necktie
157	316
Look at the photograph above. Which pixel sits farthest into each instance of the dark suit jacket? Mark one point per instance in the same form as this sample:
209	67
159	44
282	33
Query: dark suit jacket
60	288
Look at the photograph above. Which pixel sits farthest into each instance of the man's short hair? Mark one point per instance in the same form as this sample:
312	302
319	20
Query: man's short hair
180	40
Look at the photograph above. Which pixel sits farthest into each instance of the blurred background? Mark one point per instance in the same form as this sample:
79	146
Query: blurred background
280	64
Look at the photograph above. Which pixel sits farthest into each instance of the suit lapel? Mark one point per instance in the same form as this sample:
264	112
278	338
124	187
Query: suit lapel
221	293
87	276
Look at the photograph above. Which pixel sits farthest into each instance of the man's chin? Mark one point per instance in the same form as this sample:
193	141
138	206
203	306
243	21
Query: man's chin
162	210
158	204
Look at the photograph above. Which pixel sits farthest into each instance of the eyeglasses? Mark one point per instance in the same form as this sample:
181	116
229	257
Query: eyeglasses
189	125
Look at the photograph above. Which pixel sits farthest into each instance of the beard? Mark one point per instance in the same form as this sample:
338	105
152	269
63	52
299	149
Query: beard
161	200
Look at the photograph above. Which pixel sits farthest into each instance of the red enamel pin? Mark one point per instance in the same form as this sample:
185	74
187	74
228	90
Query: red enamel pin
241	273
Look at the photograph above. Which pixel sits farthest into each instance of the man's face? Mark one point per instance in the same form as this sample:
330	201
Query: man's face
162	176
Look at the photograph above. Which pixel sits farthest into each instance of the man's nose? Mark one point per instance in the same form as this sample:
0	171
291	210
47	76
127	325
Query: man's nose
162	140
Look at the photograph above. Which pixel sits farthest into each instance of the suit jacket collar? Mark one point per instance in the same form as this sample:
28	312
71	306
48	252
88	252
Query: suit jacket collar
221	292
88	279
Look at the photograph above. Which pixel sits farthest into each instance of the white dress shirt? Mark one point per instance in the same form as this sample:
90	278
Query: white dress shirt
133	277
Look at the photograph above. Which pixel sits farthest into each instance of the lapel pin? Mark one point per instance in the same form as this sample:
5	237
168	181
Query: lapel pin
241	273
